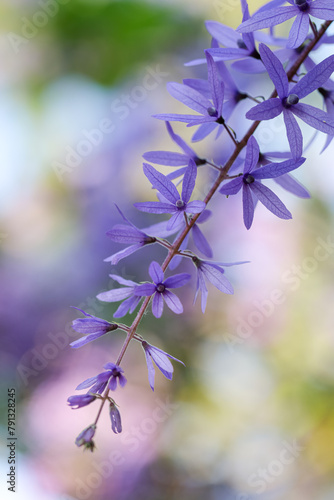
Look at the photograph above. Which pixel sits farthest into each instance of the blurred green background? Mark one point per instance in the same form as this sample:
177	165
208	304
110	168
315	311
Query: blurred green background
251	416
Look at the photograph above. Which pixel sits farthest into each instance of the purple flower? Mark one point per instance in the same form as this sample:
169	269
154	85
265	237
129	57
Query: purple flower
118	294
288	103
303	9
108	378
129	233
161	359
199	239
91	327
210	109
174	159
85	438
174	204
250	183
213	272
286	181
232	96
79	401
160	290
236	47
115	417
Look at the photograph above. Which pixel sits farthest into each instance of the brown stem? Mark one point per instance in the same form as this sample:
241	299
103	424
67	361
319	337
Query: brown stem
222	176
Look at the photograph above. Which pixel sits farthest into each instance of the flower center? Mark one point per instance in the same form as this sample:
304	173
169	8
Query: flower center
179	203
212	111
325	93
302	4
161	288
241	44
292	99
248	179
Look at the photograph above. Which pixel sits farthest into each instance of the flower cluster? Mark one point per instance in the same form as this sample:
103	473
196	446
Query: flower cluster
293	72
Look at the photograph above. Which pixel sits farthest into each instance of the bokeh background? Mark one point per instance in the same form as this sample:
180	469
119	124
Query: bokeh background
251	416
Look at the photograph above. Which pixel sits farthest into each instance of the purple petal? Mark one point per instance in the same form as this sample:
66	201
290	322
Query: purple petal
177	173
189	97
322	9
122	281
203	131
157	305
298	31
173	117
232	187
129	305
189	180
228	54
205	215
314	117
275	70
249	65
144	290
270	200
224	34
216	86
126	234
176	219
150	369
293	133
314	78
195	207
248	206
252	155
116	257
86	383
180	142
156	272
177	281
201	287
216	276
271	5
248	38
161	183
163	363
200	85
115	295
268	18
195	62
266	110
177	259
273	170
113	384
90	325
122	380
292	185
173	302
86	340
159	229
155	207
201	242
201	119
166	158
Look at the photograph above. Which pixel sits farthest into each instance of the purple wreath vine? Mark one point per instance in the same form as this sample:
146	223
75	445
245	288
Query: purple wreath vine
294	76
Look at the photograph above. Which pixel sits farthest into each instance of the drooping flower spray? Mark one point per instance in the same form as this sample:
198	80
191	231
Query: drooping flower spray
294	76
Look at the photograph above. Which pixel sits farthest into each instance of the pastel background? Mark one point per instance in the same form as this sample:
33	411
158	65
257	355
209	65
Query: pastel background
251	416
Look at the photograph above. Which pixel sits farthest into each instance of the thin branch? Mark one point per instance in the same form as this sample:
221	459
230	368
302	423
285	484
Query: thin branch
222	176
